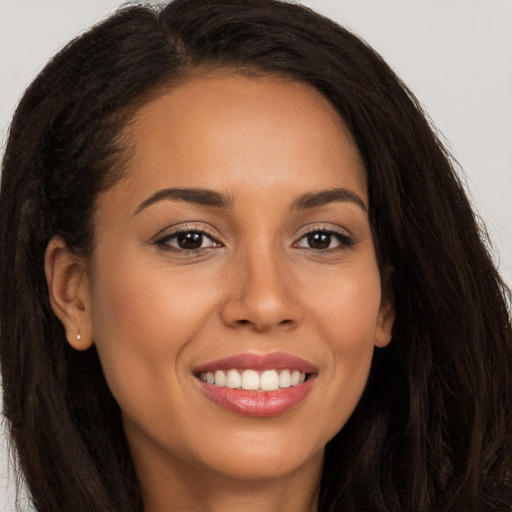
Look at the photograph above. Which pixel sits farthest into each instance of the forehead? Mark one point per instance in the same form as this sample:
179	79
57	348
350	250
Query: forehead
230	132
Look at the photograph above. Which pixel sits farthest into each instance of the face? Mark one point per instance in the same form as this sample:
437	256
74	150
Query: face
236	253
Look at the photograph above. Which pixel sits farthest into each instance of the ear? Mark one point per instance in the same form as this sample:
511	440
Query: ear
385	322
68	288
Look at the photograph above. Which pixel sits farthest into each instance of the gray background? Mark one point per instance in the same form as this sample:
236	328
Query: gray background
456	55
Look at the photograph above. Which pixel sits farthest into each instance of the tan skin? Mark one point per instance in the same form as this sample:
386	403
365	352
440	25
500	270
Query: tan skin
256	284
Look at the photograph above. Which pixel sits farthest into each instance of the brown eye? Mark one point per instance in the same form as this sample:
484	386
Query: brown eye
187	241
319	240
324	240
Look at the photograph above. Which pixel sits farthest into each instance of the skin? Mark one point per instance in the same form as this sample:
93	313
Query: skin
156	312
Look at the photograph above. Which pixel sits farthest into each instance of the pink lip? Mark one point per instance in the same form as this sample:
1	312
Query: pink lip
262	404
259	403
259	362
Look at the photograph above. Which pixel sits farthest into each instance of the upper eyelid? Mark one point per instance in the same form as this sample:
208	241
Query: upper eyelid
323	227
346	239
176	230
169	232
164	241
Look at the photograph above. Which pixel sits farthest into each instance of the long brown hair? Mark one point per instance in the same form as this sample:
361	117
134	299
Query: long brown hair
433	428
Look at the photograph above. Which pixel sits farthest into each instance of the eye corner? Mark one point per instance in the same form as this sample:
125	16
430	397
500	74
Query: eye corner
328	239
187	240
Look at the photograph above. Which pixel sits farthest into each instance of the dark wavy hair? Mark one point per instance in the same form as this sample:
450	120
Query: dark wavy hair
433	430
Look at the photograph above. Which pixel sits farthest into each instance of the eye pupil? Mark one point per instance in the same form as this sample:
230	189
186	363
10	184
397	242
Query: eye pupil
190	240
319	240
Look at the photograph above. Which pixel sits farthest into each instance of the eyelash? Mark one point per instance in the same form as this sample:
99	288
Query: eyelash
163	242
344	239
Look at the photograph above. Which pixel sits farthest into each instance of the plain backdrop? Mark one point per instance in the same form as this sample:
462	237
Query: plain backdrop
456	56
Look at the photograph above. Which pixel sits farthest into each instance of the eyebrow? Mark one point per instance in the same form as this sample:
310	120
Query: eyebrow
200	196
208	197
323	197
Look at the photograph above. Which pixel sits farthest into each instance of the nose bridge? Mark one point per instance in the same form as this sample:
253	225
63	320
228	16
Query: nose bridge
265	276
262	295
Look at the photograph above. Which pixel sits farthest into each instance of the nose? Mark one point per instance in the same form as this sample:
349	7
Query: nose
262	294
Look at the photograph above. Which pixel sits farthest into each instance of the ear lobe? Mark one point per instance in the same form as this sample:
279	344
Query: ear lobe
385	324
68	289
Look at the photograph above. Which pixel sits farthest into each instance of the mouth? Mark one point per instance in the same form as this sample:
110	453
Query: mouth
257	385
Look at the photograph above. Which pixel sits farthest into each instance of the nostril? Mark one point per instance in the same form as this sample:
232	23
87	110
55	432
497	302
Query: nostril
259	314
284	323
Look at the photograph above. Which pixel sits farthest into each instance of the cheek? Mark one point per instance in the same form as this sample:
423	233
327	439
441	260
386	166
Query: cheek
347	318
347	304
355	325
136	315
141	301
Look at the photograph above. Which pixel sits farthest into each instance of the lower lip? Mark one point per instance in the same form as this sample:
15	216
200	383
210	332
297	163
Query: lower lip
262	404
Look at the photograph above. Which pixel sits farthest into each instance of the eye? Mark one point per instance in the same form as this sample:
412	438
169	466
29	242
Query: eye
187	240
324	240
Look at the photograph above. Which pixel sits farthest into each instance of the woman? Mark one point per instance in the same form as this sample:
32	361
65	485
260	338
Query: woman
239	272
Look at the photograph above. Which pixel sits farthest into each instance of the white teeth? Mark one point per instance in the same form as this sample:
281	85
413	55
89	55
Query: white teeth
220	378
233	379
285	379
251	380
269	380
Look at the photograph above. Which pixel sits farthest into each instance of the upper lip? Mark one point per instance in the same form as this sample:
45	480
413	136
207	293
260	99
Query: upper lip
272	361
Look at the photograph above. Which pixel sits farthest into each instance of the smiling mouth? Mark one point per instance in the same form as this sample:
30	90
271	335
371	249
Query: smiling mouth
257	385
253	380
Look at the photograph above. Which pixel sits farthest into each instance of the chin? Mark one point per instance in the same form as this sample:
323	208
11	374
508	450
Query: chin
266	466
265	456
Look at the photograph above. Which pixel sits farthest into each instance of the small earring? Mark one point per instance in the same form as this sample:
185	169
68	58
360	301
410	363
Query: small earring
78	337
